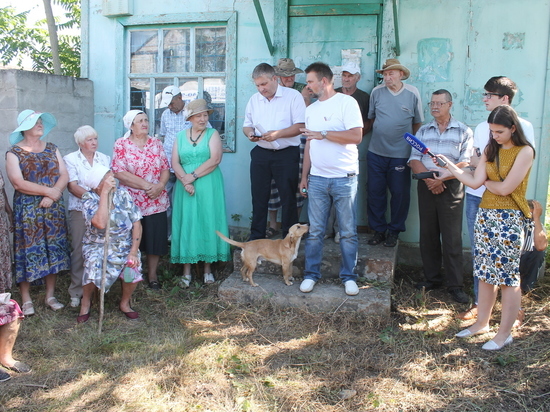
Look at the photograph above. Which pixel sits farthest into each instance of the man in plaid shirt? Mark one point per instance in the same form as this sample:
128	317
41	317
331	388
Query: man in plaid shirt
440	203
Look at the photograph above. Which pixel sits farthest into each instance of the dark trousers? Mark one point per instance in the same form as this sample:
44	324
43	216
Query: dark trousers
282	166
388	173
441	233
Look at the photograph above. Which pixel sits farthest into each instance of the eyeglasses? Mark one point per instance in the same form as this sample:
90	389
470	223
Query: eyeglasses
436	104
489	95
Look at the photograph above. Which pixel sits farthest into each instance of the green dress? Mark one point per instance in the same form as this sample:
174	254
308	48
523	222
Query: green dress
196	218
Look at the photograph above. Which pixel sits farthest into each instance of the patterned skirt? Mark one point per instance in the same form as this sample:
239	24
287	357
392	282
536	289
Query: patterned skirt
499	237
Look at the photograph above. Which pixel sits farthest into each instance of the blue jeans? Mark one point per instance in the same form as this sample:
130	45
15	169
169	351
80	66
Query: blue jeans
472	205
322	193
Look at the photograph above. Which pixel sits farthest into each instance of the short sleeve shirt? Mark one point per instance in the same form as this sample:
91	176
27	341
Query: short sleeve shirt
78	168
285	109
393	114
147	163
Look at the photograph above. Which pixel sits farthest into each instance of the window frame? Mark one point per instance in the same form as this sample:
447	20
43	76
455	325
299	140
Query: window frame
157	22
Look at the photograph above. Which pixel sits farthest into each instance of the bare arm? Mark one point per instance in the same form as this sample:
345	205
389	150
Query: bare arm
541	241
520	168
101	218
180	172
474	180
132	259
350	136
133	181
75	189
24	186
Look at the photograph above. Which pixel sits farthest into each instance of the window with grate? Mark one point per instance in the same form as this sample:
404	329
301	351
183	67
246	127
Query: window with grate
192	58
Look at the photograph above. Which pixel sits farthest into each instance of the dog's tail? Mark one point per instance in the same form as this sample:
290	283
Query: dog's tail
230	241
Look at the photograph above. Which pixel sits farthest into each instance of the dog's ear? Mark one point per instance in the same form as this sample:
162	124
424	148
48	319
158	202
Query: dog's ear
291	239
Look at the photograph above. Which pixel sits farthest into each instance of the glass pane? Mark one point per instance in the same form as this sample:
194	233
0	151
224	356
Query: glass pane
143	51
176	50
214	94
189	89
139	95
210	49
160	84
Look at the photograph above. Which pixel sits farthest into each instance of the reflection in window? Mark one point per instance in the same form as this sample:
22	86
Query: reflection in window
191	50
176	51
210	49
143	51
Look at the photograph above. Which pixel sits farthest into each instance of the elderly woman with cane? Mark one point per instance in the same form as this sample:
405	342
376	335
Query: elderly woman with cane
123	256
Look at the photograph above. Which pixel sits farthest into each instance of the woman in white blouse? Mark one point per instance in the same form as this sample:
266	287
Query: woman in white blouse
79	164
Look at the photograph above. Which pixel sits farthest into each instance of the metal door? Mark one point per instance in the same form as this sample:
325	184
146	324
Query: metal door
335	39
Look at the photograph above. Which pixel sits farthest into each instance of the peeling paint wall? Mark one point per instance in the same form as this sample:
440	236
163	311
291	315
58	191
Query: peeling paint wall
452	44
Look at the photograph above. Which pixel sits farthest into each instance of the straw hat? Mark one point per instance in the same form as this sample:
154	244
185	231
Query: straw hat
26	121
394	64
197	106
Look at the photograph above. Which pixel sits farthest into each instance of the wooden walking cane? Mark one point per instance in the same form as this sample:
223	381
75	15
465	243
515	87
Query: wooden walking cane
105	255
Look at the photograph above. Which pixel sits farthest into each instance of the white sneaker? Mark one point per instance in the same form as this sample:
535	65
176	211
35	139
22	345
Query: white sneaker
75	302
307	285
351	288
209	278
337	237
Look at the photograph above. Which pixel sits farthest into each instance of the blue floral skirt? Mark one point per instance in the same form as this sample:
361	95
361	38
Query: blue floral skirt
499	237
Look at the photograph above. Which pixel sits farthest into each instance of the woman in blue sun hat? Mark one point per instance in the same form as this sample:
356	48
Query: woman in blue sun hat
36	170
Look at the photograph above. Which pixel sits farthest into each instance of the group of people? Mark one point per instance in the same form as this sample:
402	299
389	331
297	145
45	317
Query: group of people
306	147
494	163
110	223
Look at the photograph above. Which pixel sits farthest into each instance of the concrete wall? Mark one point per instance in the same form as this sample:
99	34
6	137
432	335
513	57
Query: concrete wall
70	100
452	44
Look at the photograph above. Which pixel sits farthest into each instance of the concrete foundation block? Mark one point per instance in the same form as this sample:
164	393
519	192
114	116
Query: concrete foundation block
325	297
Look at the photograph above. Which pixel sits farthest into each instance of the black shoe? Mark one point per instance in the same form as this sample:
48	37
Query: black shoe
154	285
459	295
378	238
4	376
391	240
428	285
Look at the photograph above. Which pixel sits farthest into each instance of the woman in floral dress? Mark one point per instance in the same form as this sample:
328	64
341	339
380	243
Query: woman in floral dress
37	172
141	166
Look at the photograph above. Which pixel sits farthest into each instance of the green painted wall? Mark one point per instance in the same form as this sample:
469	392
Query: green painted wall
452	44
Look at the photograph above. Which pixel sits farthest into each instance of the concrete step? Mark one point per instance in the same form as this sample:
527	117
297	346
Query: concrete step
325	297
375	263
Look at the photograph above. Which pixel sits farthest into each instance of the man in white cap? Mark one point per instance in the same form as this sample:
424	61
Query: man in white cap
351	74
395	109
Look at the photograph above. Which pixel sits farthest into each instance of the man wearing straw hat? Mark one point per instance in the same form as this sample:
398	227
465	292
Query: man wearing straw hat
395	108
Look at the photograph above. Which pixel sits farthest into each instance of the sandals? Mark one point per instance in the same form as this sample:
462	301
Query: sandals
209	278
19	367
28	308
270	233
54	304
184	281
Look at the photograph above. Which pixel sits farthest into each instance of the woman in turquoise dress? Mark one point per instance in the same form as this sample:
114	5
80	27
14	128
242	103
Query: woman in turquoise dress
199	200
37	172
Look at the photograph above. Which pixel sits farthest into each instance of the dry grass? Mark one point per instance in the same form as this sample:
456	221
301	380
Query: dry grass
189	352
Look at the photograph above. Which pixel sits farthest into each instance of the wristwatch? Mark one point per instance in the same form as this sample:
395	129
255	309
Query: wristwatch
324	134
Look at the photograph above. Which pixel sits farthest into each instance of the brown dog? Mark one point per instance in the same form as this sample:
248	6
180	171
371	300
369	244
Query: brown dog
279	251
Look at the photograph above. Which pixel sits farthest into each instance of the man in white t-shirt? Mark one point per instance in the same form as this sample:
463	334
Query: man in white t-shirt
499	90
334	128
